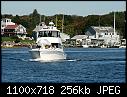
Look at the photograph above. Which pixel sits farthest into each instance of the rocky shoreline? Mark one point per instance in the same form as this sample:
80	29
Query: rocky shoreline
9	44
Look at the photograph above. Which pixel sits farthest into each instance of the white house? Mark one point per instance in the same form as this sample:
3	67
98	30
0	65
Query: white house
5	22
9	28
107	34
79	39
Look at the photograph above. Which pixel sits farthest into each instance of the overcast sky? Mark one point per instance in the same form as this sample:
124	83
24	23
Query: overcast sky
49	8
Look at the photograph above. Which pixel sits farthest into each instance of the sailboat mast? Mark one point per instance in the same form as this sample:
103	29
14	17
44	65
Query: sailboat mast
40	18
62	23
99	21
44	19
99	25
114	23
56	20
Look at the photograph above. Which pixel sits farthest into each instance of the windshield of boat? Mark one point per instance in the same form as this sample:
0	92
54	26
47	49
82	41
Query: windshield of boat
48	34
56	45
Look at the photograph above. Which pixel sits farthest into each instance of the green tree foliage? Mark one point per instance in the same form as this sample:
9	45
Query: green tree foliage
73	24
16	19
7	16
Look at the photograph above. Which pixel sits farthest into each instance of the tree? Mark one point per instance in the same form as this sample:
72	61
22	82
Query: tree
16	19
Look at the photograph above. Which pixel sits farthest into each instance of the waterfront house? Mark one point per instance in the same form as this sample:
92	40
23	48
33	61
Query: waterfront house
107	35
4	23
9	28
78	39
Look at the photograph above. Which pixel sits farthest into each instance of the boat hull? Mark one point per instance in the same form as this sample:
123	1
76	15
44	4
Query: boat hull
48	55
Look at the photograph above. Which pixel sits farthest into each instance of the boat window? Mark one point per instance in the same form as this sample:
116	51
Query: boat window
47	46
48	34
55	34
40	34
45	34
56	45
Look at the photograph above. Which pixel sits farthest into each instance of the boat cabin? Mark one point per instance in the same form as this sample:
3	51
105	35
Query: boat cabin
48	34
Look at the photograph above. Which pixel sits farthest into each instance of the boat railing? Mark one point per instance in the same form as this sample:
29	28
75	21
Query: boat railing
46	47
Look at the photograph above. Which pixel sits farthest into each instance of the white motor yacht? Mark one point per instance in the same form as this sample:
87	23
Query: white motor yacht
48	44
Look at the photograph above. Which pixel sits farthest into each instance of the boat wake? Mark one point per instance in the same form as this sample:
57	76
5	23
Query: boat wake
62	60
40	60
67	60
71	60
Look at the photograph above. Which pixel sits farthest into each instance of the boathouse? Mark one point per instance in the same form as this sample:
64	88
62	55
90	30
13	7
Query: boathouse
77	40
108	34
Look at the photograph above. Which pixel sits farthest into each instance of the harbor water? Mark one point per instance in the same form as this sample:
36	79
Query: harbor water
83	65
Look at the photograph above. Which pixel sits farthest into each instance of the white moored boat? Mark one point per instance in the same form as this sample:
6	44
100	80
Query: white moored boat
48	43
85	46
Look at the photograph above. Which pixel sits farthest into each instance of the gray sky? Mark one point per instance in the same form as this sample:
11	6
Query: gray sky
49	8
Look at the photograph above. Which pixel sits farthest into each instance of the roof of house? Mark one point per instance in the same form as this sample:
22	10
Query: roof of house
64	35
5	19
11	26
79	37
103	29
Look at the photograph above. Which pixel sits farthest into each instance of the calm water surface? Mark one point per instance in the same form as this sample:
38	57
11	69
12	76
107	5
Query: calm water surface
85	65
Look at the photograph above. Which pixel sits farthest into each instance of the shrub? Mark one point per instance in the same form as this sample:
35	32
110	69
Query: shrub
17	40
14	37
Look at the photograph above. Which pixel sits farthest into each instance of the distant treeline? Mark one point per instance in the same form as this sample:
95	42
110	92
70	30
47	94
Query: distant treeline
73	24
